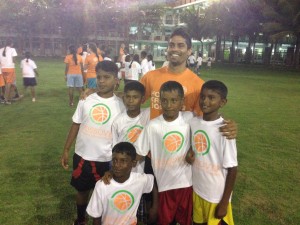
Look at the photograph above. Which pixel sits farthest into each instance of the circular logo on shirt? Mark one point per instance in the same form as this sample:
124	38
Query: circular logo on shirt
173	141
201	142
122	201
100	114
133	133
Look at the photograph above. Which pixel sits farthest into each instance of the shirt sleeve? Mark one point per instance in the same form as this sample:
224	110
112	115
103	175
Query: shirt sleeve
77	117
148	183
95	206
230	153
142	144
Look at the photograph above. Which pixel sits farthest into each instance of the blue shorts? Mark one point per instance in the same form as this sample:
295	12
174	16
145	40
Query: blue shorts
92	83
74	80
29	81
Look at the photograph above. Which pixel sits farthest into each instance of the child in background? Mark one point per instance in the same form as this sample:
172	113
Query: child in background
92	122
167	137
90	64
29	72
134	69
214	160
144	63
199	63
74	73
209	63
151	64
117	203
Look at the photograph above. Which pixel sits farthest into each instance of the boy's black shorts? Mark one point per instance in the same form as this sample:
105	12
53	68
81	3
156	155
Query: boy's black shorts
87	173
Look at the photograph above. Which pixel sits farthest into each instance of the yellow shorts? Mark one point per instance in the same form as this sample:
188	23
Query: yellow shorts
204	212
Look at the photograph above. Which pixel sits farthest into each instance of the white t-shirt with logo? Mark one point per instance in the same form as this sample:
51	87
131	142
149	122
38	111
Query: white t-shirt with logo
95	116
128	129
28	68
168	143
214	154
117	203
7	60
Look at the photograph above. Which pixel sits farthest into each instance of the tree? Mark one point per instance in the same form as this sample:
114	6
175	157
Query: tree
282	20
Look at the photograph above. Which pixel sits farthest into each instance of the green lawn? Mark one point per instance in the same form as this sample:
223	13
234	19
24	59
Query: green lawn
35	189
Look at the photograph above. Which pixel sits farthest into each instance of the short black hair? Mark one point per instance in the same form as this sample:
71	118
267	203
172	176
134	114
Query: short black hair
135	86
216	86
183	33
107	66
125	147
143	54
172	86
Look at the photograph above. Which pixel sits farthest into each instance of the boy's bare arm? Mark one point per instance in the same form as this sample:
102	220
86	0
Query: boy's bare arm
97	221
153	210
66	70
229	129
190	156
70	139
221	209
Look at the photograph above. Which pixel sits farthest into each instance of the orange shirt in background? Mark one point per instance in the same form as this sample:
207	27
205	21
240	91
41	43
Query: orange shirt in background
73	68
191	85
91	61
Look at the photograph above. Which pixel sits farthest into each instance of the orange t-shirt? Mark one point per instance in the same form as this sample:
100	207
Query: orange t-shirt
191	85
73	68
91	61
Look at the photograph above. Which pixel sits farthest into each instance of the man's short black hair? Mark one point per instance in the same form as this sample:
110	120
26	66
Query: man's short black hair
183	33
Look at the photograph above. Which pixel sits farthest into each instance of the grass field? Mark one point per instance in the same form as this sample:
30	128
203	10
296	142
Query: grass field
35	189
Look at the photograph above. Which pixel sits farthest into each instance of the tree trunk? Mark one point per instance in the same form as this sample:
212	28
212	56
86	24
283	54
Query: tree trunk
218	48
297	53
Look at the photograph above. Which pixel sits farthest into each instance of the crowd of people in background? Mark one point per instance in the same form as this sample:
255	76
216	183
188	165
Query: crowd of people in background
8	84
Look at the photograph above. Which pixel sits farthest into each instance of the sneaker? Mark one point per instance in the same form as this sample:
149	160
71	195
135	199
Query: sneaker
7	102
33	99
17	97
79	223
2	101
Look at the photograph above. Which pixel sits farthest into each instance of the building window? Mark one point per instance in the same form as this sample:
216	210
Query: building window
169	19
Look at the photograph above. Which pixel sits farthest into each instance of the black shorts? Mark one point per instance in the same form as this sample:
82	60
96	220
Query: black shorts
87	173
29	81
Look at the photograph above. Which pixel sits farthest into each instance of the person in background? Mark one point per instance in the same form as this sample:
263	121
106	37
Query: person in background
134	69
199	63
29	73
7	62
73	73
144	63
151	64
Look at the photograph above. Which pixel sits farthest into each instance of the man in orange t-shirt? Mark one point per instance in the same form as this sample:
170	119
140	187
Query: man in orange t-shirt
179	50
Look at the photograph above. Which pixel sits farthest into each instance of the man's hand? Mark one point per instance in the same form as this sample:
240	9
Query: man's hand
229	129
221	210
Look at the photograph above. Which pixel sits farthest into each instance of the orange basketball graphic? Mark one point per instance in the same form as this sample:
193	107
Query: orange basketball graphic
100	114
133	133
173	141
201	143
122	201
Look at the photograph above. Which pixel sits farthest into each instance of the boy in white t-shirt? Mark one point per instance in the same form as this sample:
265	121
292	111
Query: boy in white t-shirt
214	160
167	138
117	202
92	122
